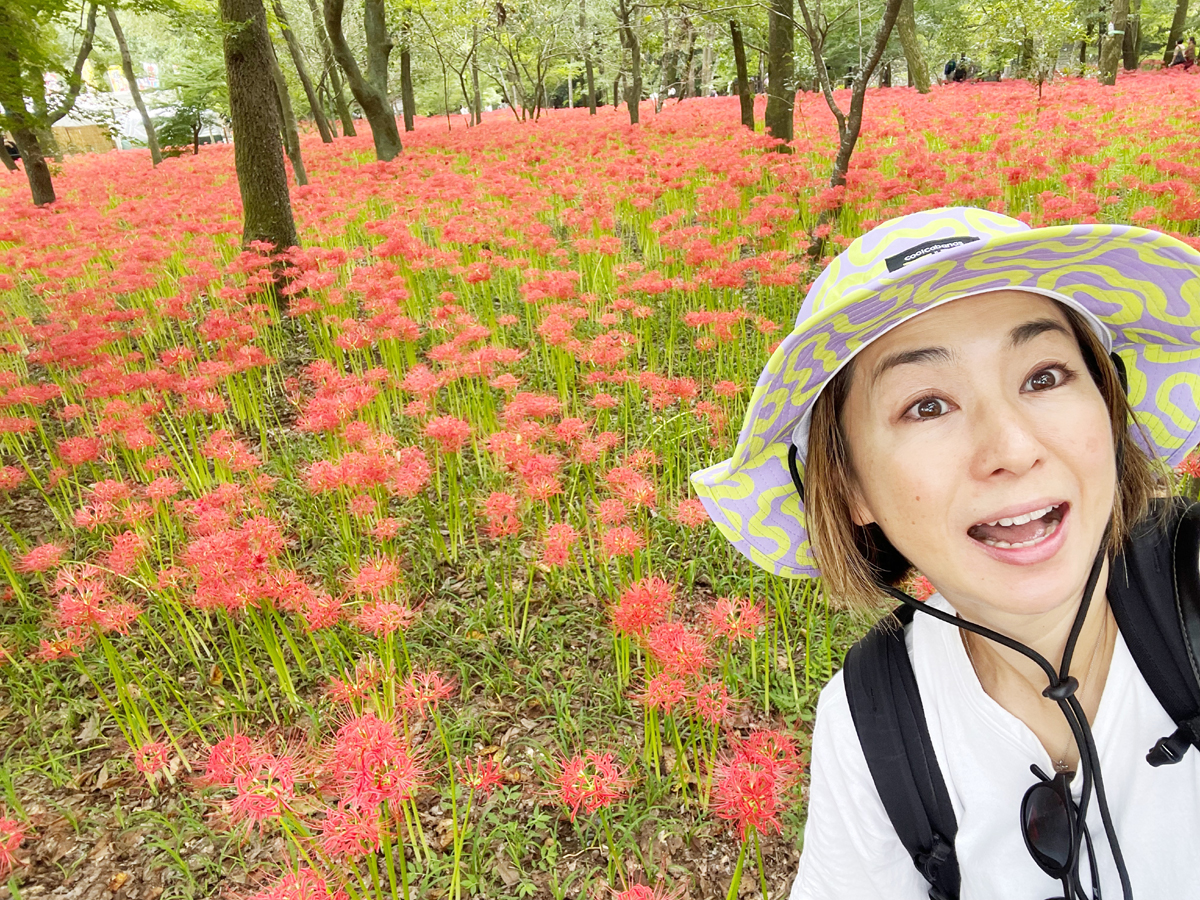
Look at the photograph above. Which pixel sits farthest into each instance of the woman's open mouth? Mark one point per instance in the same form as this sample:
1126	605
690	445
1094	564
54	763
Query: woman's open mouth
1026	530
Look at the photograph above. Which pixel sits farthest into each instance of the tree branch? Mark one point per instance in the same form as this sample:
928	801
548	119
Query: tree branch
75	79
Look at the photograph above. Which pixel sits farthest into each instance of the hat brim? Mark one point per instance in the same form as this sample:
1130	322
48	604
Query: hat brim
1143	286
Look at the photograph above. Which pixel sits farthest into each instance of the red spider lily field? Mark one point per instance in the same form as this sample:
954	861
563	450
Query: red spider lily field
391	584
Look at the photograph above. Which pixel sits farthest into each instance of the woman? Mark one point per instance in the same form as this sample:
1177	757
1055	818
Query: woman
948	396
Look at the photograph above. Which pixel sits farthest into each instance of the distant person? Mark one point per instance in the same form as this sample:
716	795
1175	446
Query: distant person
951	65
1180	57
13	153
1189	54
962	70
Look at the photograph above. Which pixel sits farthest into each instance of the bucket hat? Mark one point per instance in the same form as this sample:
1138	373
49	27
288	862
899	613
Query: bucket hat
1138	289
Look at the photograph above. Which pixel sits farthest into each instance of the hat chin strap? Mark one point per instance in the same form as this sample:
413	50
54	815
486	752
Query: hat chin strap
793	452
1061	689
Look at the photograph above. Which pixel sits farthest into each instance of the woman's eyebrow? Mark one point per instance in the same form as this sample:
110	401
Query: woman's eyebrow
908	357
1022	334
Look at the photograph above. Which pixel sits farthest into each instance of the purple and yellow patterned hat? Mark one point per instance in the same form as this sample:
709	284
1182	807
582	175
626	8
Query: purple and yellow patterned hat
1138	289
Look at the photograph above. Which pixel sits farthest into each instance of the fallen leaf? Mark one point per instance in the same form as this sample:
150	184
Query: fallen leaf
90	730
101	777
508	874
215	675
118	881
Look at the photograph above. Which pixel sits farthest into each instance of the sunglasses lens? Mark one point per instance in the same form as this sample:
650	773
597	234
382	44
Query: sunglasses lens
1047	824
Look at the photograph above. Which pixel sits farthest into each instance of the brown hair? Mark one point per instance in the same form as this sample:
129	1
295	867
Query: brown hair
856	560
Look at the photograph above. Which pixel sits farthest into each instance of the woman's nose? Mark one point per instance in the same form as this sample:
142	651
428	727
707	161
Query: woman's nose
1006	440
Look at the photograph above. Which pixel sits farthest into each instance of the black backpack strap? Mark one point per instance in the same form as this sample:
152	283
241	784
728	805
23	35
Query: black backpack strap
890	720
1154	591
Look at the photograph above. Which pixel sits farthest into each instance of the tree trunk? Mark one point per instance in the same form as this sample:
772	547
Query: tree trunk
75	79
406	83
134	92
18	120
781	75
587	57
688	88
331	70
1131	46
474	78
253	107
743	77
287	121
370	91
707	60
297	54
667	68
848	124
41	186
1110	53
8	161
1177	25
629	40
906	25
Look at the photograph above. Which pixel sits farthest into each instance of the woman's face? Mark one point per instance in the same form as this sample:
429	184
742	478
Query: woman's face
983	449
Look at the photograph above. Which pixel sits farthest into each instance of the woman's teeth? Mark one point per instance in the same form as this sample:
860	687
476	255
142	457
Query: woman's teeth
1021	520
1038	537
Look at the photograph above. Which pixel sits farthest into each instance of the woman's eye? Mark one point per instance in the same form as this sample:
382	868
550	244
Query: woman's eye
1044	380
929	408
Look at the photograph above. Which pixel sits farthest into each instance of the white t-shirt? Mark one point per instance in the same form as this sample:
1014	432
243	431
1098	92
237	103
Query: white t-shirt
851	851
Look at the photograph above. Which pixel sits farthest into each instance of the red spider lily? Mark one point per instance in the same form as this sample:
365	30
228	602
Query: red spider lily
663	692
449	433
350	832
263	792
772	748
371	764
424	690
735	618
501	511
642	605
367	674
621	541
677	649
560	537
921	588
612	511
374	577
10	478
12	833
712	702
229	758
645	892
747	792
40	558
591	781
76	451
303	884
62	647
1190	465
85	600
382	617
691	513
151	757
482	775
127	548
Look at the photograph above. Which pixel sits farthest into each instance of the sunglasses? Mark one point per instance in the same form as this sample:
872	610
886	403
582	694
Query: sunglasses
1052	825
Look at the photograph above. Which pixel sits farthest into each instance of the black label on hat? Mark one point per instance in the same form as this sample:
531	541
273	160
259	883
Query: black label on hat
912	254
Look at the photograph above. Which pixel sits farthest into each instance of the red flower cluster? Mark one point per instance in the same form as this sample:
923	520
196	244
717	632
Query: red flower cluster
749	784
591	781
